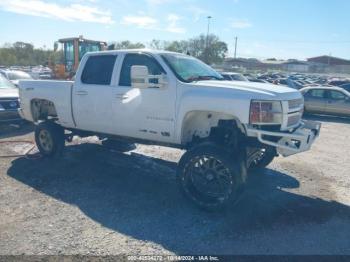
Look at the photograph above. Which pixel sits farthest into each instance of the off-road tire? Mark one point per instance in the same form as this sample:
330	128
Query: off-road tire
54	133
264	161
233	168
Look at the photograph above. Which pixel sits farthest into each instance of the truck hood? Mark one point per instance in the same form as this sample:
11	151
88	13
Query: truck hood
15	82
256	90
8	92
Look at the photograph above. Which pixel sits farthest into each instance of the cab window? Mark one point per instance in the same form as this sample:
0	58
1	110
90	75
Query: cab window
138	59
98	70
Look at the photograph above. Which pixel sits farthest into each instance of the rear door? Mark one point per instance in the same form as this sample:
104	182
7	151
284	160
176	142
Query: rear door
92	94
338	103
315	101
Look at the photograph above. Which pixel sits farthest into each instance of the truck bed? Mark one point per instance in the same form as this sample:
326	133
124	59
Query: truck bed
57	92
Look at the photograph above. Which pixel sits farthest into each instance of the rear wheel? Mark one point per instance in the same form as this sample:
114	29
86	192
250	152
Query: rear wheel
49	138
210	176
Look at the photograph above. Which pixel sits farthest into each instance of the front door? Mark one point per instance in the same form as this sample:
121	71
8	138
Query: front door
92	94
337	103
315	101
146	113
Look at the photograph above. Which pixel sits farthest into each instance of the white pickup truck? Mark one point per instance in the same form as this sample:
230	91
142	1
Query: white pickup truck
176	100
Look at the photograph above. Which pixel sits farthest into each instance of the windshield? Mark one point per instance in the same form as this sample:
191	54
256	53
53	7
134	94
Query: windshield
188	69
4	83
18	75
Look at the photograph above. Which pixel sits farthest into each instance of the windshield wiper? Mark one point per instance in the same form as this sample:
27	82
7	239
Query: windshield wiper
198	78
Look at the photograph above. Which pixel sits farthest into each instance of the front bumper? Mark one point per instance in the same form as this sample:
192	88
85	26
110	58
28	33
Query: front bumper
20	113
9	115
289	143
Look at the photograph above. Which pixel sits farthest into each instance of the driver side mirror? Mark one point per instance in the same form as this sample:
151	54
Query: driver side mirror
140	78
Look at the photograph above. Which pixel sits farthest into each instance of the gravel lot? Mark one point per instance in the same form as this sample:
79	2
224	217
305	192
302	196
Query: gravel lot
94	200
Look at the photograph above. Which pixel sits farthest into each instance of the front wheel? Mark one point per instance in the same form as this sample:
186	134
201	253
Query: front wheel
210	176
49	138
264	157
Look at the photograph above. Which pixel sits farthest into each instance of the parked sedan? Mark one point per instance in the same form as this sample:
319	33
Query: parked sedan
9	103
15	75
256	80
234	76
346	87
338	82
326	100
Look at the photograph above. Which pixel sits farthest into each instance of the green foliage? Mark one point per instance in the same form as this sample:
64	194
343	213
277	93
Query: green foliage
214	52
158	44
24	54
125	45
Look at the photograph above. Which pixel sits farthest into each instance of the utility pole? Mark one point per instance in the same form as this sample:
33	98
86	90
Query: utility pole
207	41
236	39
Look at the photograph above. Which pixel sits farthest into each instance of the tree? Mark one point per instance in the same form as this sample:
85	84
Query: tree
24	54
217	50
178	46
213	52
125	45
7	58
158	44
197	47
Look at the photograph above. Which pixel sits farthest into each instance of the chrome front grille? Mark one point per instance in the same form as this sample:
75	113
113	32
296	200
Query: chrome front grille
295	112
293	119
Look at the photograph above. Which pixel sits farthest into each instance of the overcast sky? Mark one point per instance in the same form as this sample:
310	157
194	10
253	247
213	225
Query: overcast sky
265	28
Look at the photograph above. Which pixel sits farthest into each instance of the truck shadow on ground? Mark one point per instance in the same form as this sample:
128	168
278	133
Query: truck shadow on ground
15	129
138	196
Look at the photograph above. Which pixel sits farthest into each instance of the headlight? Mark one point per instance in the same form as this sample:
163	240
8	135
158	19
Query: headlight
265	112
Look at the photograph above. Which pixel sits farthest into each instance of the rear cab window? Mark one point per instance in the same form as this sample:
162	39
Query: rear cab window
98	70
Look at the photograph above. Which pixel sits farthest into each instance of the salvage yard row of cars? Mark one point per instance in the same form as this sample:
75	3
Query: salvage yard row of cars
322	95
14	76
34	72
293	80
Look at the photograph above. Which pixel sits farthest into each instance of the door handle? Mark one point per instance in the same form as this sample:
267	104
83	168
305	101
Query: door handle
82	93
122	96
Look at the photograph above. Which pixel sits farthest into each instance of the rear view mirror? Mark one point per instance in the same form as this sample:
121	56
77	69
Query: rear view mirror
139	76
